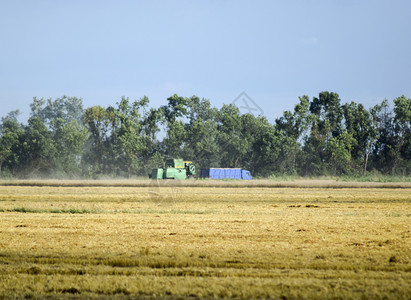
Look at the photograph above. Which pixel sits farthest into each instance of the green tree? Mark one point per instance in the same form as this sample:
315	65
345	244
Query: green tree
402	147
232	146
383	153
98	155
69	140
359	123
256	134
295	124
151	151
201	145
327	110
38	149
66	108
292	128
10	134
176	107
174	113
374	132
130	140
265	152
64	117
325	123
339	149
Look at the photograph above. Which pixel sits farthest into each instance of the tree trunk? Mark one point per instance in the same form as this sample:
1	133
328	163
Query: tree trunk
367	155
365	163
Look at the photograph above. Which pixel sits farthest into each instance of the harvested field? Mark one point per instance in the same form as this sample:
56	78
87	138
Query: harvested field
123	239
329	183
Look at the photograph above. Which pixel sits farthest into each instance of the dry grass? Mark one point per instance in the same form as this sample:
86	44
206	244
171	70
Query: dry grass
224	242
268	183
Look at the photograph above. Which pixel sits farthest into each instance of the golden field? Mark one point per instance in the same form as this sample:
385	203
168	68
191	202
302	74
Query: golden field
205	240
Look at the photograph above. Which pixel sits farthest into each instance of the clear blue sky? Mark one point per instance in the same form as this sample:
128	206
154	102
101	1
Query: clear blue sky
275	51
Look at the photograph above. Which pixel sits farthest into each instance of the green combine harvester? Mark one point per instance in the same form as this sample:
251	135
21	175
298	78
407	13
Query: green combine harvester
174	169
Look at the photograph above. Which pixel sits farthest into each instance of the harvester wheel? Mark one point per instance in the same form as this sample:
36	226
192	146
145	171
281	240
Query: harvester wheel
192	169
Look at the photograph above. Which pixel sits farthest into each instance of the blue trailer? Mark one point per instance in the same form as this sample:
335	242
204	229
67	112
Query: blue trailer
226	173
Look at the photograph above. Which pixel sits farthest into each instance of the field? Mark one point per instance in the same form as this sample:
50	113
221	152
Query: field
135	239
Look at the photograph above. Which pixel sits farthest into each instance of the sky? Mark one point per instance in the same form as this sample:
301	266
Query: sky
266	53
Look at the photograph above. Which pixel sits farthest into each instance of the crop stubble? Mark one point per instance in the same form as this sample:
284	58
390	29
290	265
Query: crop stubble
94	241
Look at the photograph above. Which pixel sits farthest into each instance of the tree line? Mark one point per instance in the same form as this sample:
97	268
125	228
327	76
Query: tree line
321	136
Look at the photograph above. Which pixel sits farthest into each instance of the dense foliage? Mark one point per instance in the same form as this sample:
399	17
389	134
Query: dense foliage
320	137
